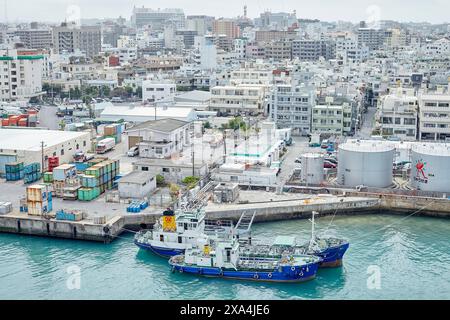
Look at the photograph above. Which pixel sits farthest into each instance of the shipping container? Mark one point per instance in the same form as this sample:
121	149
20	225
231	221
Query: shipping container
63	172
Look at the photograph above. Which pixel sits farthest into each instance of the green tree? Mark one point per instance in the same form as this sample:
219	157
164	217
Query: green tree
160	181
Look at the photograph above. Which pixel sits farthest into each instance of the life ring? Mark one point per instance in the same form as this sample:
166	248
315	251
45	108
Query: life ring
106	229
255	276
269	275
301	273
292	268
218	223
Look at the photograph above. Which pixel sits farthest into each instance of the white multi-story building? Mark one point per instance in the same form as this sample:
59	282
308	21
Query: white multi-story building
397	116
251	76
158	91
238	99
333	119
434	117
438	48
291	106
20	75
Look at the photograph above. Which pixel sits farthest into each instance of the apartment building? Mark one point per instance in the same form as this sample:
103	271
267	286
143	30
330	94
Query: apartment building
251	76
70	38
238	99
333	119
272	35
278	50
434	116
398	116
80	71
291	107
371	37
35	38
20	74
311	50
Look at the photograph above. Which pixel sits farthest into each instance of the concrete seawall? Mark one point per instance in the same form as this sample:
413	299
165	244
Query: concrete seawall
350	204
77	230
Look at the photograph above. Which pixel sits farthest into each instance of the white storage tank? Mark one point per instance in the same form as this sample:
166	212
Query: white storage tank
312	168
367	163
430	165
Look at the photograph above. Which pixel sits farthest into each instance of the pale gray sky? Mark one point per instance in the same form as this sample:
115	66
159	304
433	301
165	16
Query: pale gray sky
435	11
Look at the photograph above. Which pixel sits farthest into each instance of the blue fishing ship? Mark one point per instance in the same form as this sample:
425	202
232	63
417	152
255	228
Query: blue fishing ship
225	259
330	249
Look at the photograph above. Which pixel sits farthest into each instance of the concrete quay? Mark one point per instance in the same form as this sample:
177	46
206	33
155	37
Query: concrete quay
294	208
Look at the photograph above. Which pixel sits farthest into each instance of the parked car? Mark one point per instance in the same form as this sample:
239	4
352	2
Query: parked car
134	151
298	160
324	144
329	165
332	160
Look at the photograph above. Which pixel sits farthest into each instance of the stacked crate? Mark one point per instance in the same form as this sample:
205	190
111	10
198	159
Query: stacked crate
60	175
53	162
14	171
70	189
70	215
97	179
32	172
114	131
48	177
39	200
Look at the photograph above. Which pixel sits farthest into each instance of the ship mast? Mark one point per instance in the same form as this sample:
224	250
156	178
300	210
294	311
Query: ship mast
313	236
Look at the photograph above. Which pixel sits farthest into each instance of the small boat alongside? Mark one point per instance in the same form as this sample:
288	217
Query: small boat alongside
330	249
224	259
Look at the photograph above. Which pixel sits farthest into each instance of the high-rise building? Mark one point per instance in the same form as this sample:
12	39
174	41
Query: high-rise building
201	24
227	27
69	38
372	38
156	19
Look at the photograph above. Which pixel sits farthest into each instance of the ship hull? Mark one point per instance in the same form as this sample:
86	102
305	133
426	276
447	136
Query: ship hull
288	274
332	257
160	251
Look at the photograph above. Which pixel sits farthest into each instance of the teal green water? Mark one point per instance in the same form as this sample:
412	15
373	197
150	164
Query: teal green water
413	256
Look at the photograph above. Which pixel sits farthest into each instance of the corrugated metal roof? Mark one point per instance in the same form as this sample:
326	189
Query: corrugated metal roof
30	140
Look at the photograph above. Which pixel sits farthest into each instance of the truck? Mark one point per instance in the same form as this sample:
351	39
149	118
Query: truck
80	156
314	140
105	145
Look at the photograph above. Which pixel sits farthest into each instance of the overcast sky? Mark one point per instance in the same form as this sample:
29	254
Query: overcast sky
435	11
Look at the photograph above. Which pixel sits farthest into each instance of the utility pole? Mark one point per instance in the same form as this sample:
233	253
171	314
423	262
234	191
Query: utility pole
193	155
42	156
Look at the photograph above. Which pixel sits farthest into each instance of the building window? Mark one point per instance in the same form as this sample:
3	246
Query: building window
62	152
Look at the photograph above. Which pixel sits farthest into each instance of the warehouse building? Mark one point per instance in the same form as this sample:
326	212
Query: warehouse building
143	114
137	185
25	145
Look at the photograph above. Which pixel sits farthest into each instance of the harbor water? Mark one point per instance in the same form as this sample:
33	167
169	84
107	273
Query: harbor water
390	257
